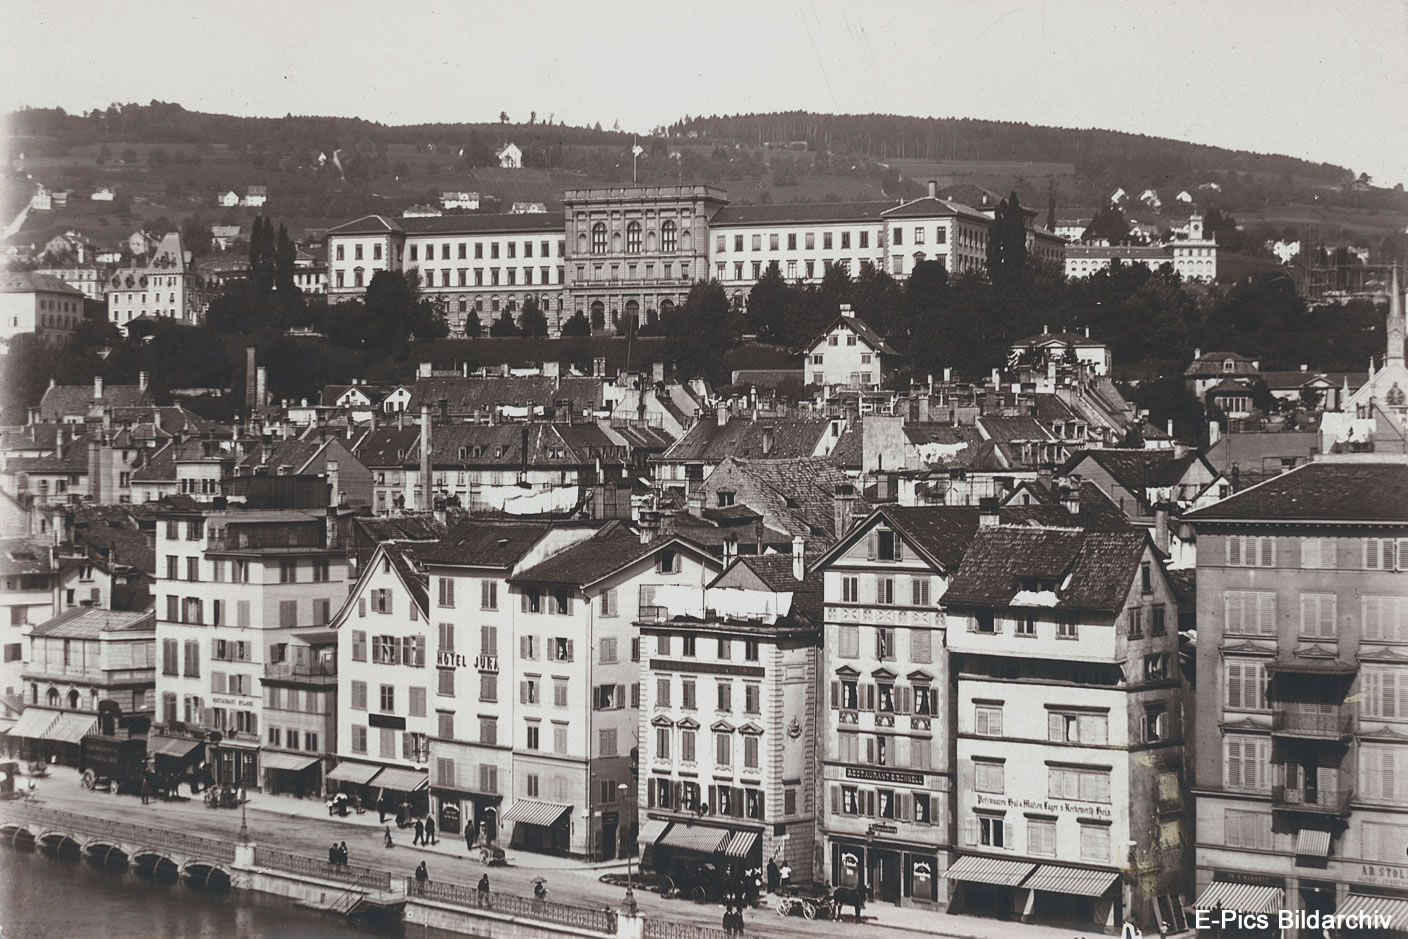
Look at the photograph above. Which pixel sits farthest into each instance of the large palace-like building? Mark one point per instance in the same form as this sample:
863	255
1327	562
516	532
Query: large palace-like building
624	252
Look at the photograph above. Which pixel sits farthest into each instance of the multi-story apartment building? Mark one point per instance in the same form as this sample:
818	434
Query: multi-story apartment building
1064	646
384	659
168	285
634	251
1302	730
39	304
728	728
234	589
934	229
466	263
31	597
300	714
575	631
482	677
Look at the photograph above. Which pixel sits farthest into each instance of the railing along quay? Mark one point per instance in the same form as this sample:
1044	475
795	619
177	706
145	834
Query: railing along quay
143	836
547	911
370	877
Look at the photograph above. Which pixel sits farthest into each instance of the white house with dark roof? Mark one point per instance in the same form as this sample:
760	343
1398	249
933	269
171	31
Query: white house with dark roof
39	304
510	157
255	196
848	354
1056	346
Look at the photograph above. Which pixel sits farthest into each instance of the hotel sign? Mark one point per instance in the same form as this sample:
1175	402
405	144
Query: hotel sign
1383	875
1053	808
885	775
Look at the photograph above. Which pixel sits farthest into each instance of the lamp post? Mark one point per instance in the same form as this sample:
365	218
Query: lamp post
630	901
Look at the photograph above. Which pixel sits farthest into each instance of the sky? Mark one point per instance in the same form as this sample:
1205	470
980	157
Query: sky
1319	80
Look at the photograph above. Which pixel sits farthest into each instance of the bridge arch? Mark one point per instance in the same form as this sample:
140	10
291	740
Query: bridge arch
107	855
64	845
206	874
17	836
154	864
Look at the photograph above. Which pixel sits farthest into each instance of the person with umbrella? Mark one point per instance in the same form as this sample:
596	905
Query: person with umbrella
540	888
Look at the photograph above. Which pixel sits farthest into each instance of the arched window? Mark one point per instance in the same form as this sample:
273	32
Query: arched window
52	697
73	698
633	238
632	314
666	308
599	238
598	315
668	237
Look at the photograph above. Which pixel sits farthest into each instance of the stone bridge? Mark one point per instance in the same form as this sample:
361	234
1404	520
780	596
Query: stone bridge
204	862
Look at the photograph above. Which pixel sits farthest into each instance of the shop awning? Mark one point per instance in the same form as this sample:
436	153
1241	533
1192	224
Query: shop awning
71	728
240	743
1395	908
740	843
989	870
175	747
293	762
1313	842
531	812
1240	898
1077	881
33	722
699	838
7	724
400	779
651	829
355	773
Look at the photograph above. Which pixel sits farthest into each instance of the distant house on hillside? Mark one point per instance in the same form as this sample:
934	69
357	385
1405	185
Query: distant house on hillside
41	201
224	236
255	196
421	211
459	200
103	195
229	199
527	208
1184	196
1118	196
510	157
141	243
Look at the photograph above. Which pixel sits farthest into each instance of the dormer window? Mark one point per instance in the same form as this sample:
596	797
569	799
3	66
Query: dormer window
725	498
1228	365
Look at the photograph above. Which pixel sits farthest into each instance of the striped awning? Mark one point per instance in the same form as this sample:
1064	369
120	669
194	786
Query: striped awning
1077	881
531	812
1313	842
740	843
1240	898
400	779
355	773
1395	908
651	829
71	728
699	838
294	762
177	747
33	723
989	870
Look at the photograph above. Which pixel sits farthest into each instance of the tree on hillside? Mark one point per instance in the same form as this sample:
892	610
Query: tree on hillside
195	235
532	322
768	305
1107	225
1007	241
504	326
577	325
701	330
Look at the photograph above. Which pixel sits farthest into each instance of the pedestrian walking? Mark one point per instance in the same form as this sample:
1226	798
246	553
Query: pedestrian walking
430	830
420	832
342	850
381	811
332	853
484	891
422	875
468	838
774	876
146	790
785	877
388	836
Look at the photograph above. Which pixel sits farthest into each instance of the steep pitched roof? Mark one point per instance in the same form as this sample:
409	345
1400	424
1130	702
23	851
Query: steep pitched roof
1214	363
933	207
24	556
29	282
706	440
83	622
796	494
466	395
1137	470
159	466
388	446
798	213
418	527
1093	570
366	225
499	545
612	548
62	401
480	223
1314	492
858	326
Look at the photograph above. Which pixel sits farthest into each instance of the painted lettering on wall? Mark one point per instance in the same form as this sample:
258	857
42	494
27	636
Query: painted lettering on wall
1073	808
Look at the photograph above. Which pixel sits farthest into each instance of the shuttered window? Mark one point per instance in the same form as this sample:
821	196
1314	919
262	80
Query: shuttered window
1250	612
1251	551
987	719
920	646
1082	785
1383	842
988	776
1246	762
1383	773
1385	618
1041	837
1317	553
1094	843
1317	615
359	695
1385	692
1385	554
1241	829
1244	684
848	642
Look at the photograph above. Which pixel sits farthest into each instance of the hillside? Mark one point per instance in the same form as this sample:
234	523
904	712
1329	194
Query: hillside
168	164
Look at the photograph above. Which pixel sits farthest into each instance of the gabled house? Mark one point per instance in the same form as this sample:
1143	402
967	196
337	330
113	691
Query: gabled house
255	196
510	157
713	438
228	199
848	354
1212	369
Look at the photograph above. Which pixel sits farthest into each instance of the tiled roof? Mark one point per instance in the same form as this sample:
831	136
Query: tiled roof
62	401
1150	252
609	549
1093	570
1010	429
1137	470
775	570
418	527
799	213
83	622
767	379
547	223
848	452
388	446
500	545
331	393
27	282
366	225
466	395
292	452
1064	339
858	326
159	466
112	537
24	556
1347	492
502	445
796	495
1213	363
707	441
931	207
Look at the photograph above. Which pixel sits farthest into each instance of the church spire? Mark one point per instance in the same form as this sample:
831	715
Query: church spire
1395	322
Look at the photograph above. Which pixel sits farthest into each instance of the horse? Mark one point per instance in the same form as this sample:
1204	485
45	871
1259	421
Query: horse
849	896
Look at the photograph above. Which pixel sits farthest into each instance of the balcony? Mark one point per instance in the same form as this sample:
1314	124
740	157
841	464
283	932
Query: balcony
1319	801
1330	722
302	671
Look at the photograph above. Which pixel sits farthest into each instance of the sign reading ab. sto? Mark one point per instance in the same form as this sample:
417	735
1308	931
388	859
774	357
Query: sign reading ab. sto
1055	808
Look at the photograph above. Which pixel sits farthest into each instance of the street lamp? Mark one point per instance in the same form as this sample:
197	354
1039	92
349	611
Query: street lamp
630	902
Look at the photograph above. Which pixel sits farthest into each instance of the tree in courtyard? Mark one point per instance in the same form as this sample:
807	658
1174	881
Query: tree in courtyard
577	325
504	326
532	322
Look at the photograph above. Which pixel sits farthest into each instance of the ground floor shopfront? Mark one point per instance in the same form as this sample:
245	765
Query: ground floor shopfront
700	859
472	815
1297	905
52	736
397	792
295	774
540	827
895	872
1028	892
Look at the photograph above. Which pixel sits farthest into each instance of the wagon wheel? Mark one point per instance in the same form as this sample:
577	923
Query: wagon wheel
667	886
808	909
90	779
699	894
784	908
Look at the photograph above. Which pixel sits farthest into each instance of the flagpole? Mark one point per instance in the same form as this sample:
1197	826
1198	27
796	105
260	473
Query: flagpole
635	155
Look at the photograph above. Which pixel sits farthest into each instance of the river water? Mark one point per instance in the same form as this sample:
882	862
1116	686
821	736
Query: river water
42	896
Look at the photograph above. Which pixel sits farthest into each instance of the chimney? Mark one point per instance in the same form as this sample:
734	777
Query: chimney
657	372
799	558
250	403
444	404
696	504
923	409
1170	427
1161	527
996	379
730	550
1045	329
1214	432
1070	497
933	194
988	516
426	500
843	507
261	385
334	482
97	387
144	377
95	472
1197	354
769	434
599	367
948	374
721	414
847	312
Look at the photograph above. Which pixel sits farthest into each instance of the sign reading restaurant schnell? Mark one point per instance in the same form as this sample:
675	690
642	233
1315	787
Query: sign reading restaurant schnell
885	775
1075	808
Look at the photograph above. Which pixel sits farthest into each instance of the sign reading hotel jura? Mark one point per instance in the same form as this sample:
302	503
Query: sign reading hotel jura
1383	875
483	663
1074	808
